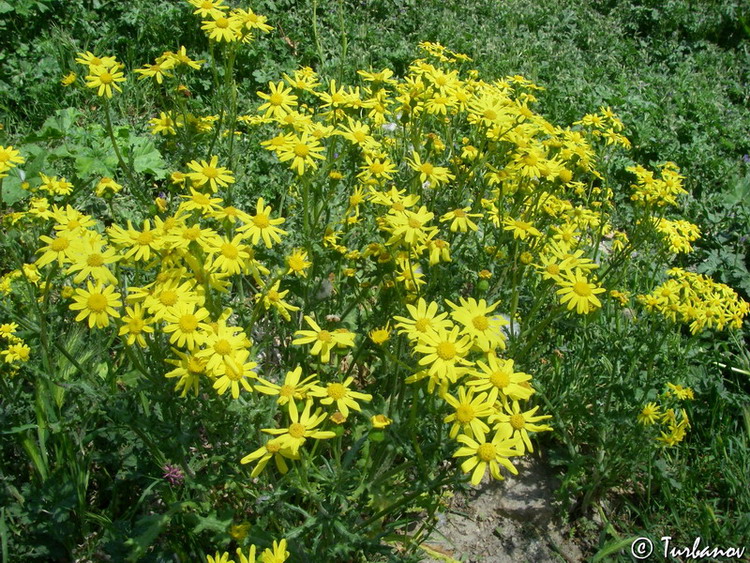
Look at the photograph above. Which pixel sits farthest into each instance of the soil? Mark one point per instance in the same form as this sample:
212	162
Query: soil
511	521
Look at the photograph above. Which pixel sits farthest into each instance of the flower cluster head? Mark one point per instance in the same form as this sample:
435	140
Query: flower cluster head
104	73
276	554
696	300
671	422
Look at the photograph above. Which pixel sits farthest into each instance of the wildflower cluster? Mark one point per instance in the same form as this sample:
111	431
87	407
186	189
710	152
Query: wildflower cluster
418	237
15	351
696	300
276	554
666	415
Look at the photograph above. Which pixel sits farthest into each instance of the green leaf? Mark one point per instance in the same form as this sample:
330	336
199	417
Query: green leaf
12	190
146	157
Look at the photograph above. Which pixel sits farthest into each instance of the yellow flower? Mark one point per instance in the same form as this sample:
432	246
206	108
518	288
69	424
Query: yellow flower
297	263
380	421
469	412
579	293
261	225
302	151
380	335
273	449
135	325
104	80
209	173
292	387
232	375
222	28
519	424
483	454
302	427
68	79
650	414
279	102
340	393
97	304
323	341
186	325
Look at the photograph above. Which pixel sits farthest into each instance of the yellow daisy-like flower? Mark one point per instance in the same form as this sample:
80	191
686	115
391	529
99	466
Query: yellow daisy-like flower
261	225
186	325
273	449
97	304
303	151
279	102
444	353
209	173
323	341
579	293
104	80
650	414
483	454
9	158
222	28
460	219
292	388
424	318
135	326
499	378
298	263
519	424
469	412
302	427
435	175
231	376
340	393
272	297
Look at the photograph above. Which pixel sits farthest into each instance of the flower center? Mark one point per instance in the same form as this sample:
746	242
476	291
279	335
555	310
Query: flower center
427	169
229	251
459	213
464	413
486	452
144	239
301	150
446	350
273	447
59	244
210	172
191	233
223	347
414	224
188	323
222	23
336	391
168	297
97	302
480	323
287	391
105	78
517	421
422	325
135	326
296	430
261	221
95	260
324	336
500	379
273	295
582	289
276	99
